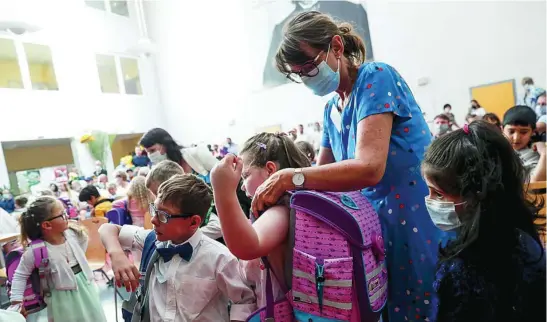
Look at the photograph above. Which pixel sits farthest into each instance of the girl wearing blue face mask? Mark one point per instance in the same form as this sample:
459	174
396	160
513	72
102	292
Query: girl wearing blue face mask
374	139
494	270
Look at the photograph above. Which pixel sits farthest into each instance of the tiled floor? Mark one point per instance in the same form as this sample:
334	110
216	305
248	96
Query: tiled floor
107	301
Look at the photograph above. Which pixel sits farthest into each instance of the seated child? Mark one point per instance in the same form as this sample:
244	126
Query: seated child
195	277
91	195
492	118
161	173
307	149
494	270
20	207
261	156
519	123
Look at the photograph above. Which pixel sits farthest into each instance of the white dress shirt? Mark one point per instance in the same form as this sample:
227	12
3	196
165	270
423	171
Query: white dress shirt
197	290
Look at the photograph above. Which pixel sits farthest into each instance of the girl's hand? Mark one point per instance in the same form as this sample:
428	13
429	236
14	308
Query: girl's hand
540	147
227	173
125	272
269	192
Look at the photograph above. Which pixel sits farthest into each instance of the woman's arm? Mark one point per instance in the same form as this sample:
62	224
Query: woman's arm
325	156
245	240
367	169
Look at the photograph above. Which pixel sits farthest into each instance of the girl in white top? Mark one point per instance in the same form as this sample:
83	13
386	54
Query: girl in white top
74	295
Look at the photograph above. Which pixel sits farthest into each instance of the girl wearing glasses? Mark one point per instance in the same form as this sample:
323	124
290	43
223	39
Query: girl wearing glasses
74	294
374	139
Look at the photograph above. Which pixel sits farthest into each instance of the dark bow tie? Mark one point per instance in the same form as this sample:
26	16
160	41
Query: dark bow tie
184	251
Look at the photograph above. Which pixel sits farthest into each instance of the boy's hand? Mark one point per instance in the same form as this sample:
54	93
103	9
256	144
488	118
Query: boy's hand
227	173
125	272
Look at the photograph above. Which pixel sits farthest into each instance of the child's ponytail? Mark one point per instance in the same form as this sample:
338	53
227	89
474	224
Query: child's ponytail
32	219
278	148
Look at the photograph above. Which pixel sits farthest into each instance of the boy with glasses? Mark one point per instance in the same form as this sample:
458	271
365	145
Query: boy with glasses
189	277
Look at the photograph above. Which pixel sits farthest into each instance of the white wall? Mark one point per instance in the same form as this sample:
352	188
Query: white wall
458	45
202	69
211	58
75	33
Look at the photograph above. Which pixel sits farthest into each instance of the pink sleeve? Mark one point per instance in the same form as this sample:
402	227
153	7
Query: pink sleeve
119	203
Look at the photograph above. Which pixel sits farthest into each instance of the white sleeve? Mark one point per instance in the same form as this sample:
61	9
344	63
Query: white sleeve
132	237
231	283
22	273
212	229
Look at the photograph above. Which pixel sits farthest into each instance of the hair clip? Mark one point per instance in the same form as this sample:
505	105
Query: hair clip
262	146
466	128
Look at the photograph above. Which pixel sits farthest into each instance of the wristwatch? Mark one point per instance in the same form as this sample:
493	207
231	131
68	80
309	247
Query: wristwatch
298	179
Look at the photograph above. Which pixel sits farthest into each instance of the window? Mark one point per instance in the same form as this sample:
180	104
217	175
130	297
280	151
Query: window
108	76
118	7
97	4
40	65
10	73
130	72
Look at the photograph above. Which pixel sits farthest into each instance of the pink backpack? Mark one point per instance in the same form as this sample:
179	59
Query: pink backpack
37	286
337	259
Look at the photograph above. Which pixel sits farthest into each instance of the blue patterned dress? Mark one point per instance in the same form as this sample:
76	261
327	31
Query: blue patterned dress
411	238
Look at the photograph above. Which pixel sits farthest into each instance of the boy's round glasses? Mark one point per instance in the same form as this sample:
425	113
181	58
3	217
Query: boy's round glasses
163	216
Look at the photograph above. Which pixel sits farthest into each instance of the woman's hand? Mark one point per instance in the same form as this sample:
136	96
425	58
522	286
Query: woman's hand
269	192
227	173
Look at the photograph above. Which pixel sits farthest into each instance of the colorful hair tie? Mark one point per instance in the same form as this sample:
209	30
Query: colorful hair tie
262	146
466	128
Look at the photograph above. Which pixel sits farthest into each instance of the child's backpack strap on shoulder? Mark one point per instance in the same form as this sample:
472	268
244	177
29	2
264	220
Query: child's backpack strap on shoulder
136	308
149	257
41	262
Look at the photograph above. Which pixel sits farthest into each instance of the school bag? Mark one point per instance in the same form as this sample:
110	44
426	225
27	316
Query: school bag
335	262
37	287
136	308
71	210
120	216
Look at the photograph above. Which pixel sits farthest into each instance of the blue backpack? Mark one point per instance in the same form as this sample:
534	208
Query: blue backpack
120	216
136	308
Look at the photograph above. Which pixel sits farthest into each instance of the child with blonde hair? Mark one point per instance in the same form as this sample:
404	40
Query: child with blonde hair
137	201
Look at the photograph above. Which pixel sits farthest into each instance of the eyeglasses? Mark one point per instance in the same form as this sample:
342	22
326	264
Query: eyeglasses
307	69
63	214
163	216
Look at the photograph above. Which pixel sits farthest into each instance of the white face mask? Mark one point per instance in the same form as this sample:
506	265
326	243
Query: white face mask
157	157
443	214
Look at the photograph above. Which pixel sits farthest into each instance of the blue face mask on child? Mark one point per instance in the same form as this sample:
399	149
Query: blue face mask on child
326	81
443	214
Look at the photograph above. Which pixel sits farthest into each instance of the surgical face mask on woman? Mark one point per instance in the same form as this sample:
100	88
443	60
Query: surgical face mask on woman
326	81
443	214
156	157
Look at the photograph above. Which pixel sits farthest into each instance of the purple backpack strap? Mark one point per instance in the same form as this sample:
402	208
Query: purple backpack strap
41	262
270	300
40	252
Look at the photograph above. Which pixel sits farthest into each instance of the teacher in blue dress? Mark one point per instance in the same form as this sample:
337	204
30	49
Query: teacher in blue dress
374	139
